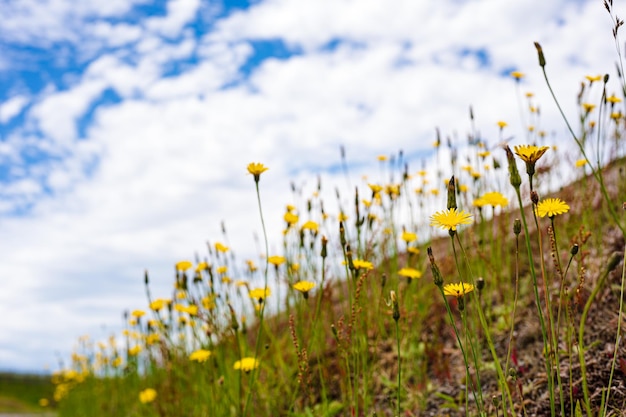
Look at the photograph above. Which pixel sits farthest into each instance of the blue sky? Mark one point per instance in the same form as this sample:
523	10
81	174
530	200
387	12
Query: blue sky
126	126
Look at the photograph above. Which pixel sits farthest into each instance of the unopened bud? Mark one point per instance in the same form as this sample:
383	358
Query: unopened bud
480	283
514	176
542	58
574	249
451	194
437	278
517	227
324	245
394	305
534	197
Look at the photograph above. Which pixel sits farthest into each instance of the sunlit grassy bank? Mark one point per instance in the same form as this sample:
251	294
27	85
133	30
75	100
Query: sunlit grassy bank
24	393
514	310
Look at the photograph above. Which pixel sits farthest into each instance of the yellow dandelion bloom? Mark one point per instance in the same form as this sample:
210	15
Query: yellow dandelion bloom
502	124
414	251
220	247
246	364
183	265
135	350
290	218
361	264
411	273
276	260
342	217
517	75
409	237
311	225
450	219
592	78
200	355
256	168
138	313
530	153
495	198
551	207
613	99
147	396
581	163
463	188
222	269
304	286
588	107
382	158
260	293
484	154
202	266
479	202
458	290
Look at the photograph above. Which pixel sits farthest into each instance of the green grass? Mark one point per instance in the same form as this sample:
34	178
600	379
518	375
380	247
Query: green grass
20	393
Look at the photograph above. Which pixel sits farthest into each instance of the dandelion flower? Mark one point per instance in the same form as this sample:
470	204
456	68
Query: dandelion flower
311	225
458	290
495	198
256	169
200	355
246	364
588	107
221	247
183	265
360	264
276	260
304	287
613	99
530	153
290	218
551	207
138	313
592	78
581	163
502	124
222	269
411	273
450	219
409	237
260	294
147	396
518	75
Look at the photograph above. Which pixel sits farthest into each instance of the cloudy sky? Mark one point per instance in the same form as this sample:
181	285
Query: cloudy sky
126	126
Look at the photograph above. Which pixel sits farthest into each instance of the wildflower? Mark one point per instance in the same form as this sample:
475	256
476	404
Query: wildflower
484	154
256	169
450	219
290	218
613	99
200	355
208	302
134	351
260	294
251	266
502	124
202	266
138	313
382	158
479	202
517	75
434	191
588	107
360	264
463	188
530	154
592	78
276	260
342	217
551	207
294	267
581	163
411	273
495	199
304	287
222	269
183	265
221	248
414	251
44	402
409	237
246	364
458	290
311	225
147	396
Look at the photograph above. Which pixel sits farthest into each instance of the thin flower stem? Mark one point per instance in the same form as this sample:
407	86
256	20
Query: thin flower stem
399	368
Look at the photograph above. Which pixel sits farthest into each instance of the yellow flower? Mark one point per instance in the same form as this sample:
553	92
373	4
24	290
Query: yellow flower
200	355
530	153
304	287
517	75
409	237
494	198
581	163
147	396
221	248
450	219
414	251
44	402
290	218
592	78
551	207
202	266
382	158
361	264
138	313
251	266
484	154
260	294
613	99
311	225
502	124
183	265
588	107
222	269
458	290
342	217
411	273
134	351
256	169
276	260
246	364
479	202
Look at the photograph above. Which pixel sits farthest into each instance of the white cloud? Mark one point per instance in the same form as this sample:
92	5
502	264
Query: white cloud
12	107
